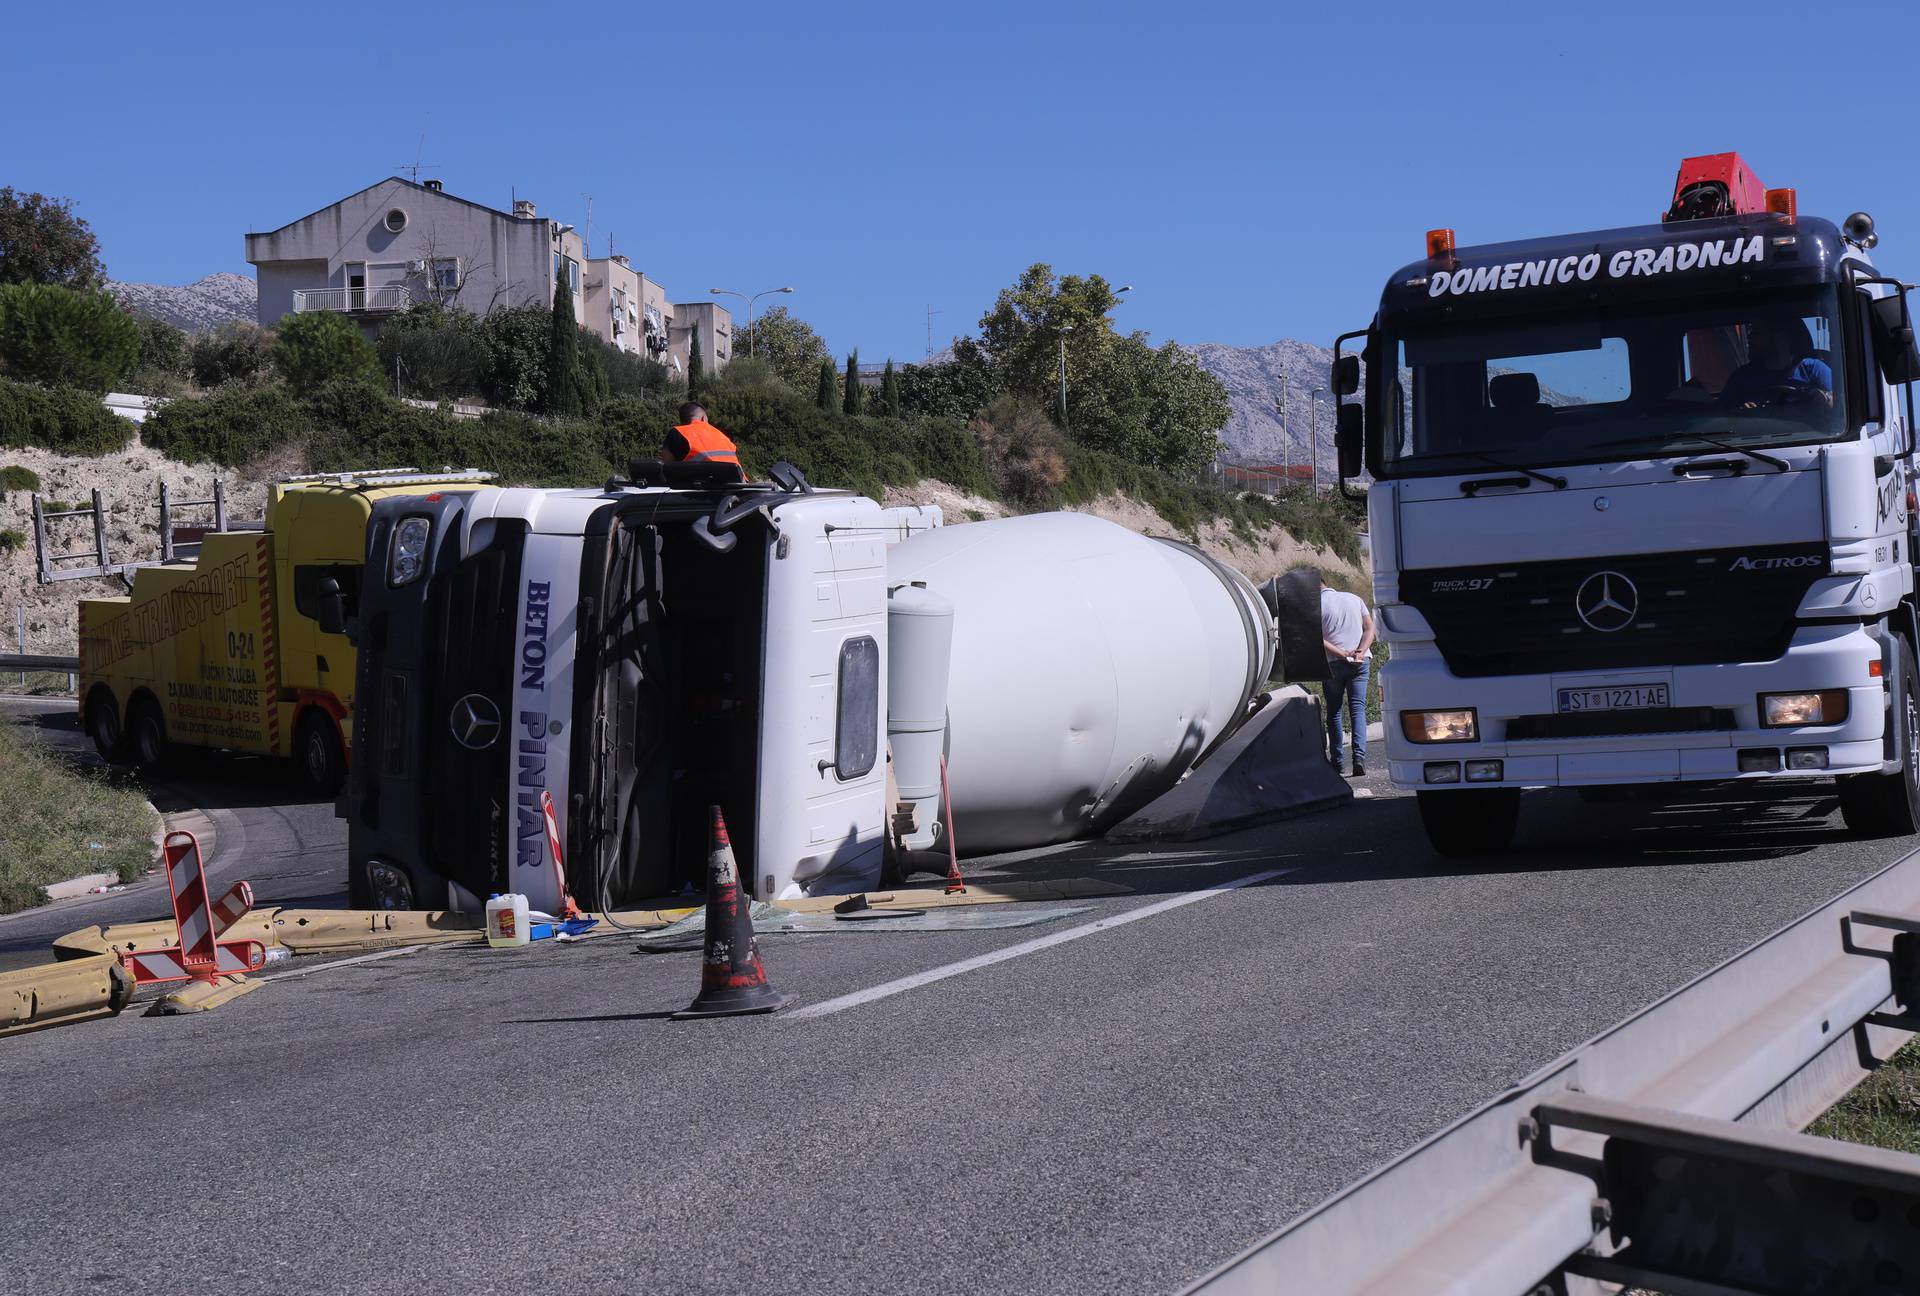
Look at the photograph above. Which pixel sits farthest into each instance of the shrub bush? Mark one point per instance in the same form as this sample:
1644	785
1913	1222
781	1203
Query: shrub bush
11	540
322	347
516	356
230	427
237	351
64	338
434	354
59	418
1025	451
15	478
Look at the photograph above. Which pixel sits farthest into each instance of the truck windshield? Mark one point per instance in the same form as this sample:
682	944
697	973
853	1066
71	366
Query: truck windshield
1757	371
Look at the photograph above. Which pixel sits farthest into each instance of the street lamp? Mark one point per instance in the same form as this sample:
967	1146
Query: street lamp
1318	392
728	292
1064	330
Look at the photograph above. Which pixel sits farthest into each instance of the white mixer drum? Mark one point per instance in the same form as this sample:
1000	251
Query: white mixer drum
1091	667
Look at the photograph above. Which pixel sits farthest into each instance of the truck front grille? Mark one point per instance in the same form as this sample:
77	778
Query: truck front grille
1663	609
472	620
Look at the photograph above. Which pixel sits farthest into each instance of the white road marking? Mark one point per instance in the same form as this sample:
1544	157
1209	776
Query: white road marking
340	963
891	988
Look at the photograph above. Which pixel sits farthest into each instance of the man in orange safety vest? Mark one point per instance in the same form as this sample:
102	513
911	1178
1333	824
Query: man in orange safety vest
697	441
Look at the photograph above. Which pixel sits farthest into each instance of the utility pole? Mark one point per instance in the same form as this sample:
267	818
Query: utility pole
1286	438
1318	392
586	237
1064	330
931	312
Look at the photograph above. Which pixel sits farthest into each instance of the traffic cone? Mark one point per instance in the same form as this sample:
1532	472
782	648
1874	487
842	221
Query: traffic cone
732	980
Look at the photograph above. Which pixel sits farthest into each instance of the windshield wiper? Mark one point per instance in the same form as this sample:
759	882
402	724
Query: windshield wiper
1780	465
1558	483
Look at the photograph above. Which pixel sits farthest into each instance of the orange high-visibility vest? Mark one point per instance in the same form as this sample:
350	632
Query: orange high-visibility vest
701	442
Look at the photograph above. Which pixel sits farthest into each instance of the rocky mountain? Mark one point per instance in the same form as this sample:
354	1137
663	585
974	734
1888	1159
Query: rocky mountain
198	307
1256	378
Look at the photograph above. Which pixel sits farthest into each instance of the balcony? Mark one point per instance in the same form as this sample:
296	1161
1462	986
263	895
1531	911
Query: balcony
379	300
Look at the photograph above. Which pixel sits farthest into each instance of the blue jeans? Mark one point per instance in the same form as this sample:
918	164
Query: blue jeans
1346	692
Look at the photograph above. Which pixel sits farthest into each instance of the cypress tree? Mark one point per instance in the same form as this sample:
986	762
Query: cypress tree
890	392
563	352
827	396
696	364
850	399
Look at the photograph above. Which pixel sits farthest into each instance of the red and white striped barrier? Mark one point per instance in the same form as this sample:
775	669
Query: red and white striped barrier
202	955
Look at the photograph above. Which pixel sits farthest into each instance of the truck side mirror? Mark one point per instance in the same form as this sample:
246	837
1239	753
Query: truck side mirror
1893	340
332	608
1346	375
1348	439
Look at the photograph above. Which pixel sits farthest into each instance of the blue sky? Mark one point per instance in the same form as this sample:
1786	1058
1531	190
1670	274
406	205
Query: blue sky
1255	170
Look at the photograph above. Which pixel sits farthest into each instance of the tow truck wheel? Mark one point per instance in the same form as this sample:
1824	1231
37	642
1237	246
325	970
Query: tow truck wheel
103	725
1470	821
323	766
1888	805
147	733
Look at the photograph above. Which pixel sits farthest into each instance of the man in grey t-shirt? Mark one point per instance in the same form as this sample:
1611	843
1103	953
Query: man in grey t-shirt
1346	631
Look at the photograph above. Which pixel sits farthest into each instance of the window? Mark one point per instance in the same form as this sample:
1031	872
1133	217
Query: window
573	276
306	587
856	733
1764	369
396	220
446	274
556	267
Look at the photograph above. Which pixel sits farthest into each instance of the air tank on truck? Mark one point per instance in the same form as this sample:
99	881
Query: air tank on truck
1641	510
827	671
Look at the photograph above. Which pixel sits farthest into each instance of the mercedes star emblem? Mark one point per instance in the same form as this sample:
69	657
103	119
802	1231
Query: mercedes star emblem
475	722
1607	601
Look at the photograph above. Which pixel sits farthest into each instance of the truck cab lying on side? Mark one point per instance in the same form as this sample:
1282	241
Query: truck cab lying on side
1641	511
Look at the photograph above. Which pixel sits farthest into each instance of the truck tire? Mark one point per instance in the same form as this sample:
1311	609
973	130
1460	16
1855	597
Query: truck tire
147	735
1888	805
1471	821
317	751
104	727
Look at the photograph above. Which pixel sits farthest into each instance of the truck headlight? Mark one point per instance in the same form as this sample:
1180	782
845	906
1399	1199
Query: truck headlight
1440	726
407	551
1789	710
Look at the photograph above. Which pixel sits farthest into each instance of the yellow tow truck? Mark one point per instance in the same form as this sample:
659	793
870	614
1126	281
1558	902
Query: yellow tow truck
244	648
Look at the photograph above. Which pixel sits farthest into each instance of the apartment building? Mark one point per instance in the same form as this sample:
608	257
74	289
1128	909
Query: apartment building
378	251
397	242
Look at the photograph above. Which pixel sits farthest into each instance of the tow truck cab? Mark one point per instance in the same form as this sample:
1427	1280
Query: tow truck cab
1641	513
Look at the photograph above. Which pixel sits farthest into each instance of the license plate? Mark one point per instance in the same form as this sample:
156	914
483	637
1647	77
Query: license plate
1621	697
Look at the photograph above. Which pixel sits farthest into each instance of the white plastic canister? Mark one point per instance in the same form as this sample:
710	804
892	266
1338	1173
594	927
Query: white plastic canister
507	922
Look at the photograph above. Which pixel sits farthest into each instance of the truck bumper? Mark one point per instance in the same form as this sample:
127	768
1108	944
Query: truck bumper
1820	658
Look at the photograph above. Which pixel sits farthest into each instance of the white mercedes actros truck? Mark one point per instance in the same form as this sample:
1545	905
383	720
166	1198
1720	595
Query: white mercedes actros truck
1641	511
559	683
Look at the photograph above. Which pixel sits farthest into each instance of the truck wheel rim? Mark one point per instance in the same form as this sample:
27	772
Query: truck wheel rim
316	756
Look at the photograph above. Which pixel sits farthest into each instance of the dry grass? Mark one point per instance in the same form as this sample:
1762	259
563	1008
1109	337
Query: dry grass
64	821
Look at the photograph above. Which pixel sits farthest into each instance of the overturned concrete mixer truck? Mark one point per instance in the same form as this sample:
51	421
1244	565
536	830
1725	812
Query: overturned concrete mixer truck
555	685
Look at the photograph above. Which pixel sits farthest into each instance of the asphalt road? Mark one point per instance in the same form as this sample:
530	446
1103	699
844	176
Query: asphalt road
1117	1112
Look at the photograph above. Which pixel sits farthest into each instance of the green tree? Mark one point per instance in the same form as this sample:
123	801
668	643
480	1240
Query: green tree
43	242
65	338
434	353
890	391
696	364
1020	335
165	353
850	393
827	395
320	346
237	351
563	353
516	372
790	346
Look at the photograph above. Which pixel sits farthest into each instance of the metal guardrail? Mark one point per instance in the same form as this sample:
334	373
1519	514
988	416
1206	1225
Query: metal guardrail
384	297
1652	1154
38	662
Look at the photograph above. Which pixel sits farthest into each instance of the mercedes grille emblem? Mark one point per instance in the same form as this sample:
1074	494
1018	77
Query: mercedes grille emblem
475	722
1607	601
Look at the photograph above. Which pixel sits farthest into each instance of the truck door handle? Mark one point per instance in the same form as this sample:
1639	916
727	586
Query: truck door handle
1479	484
1734	467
